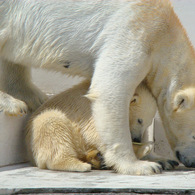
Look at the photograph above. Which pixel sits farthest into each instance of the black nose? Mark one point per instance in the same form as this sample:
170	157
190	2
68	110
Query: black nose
190	165
184	160
136	139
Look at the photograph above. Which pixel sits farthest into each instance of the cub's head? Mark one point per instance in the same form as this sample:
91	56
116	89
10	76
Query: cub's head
179	123
142	110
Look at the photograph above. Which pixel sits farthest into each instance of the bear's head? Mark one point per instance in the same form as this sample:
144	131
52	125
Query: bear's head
179	123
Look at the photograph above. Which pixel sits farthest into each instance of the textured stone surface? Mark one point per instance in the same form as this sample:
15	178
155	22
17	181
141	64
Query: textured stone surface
26	179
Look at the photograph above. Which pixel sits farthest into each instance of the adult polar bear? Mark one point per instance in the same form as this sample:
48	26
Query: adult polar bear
117	44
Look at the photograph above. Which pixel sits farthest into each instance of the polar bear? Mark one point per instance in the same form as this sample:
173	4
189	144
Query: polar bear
61	134
116	45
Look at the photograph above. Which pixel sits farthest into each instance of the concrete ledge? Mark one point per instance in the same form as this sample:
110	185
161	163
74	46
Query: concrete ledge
23	179
12	149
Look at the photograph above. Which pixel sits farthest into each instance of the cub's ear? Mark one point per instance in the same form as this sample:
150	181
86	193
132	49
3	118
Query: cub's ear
135	99
184	100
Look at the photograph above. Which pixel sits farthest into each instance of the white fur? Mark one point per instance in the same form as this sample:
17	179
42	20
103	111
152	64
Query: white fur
11	106
117	44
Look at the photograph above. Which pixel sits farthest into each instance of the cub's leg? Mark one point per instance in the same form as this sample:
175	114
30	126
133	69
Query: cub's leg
16	81
69	164
12	106
113	85
51	143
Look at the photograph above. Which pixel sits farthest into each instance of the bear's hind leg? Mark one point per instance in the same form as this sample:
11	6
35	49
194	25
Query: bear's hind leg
51	142
12	106
16	81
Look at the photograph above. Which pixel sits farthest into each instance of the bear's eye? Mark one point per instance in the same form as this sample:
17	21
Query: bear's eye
140	121
133	101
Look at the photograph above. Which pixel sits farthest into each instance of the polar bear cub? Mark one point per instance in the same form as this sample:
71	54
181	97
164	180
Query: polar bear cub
61	134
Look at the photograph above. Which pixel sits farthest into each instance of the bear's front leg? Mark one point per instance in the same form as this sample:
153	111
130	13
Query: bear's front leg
113	85
111	119
16	81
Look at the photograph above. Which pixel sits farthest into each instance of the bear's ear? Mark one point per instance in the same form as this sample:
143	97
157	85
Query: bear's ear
135	99
184	100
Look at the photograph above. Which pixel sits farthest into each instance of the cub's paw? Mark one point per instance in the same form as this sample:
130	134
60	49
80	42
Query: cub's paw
139	168
84	167
168	164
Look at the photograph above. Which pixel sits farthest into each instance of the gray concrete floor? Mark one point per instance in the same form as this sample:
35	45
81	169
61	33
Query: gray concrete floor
22	179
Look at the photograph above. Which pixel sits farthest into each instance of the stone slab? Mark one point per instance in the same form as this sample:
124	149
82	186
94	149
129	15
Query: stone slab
22	179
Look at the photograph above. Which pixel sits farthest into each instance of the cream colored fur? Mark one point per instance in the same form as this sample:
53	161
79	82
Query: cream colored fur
61	134
115	44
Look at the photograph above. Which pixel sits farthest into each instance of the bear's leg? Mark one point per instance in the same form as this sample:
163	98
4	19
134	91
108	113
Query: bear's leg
16	81
113	85
69	164
12	106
